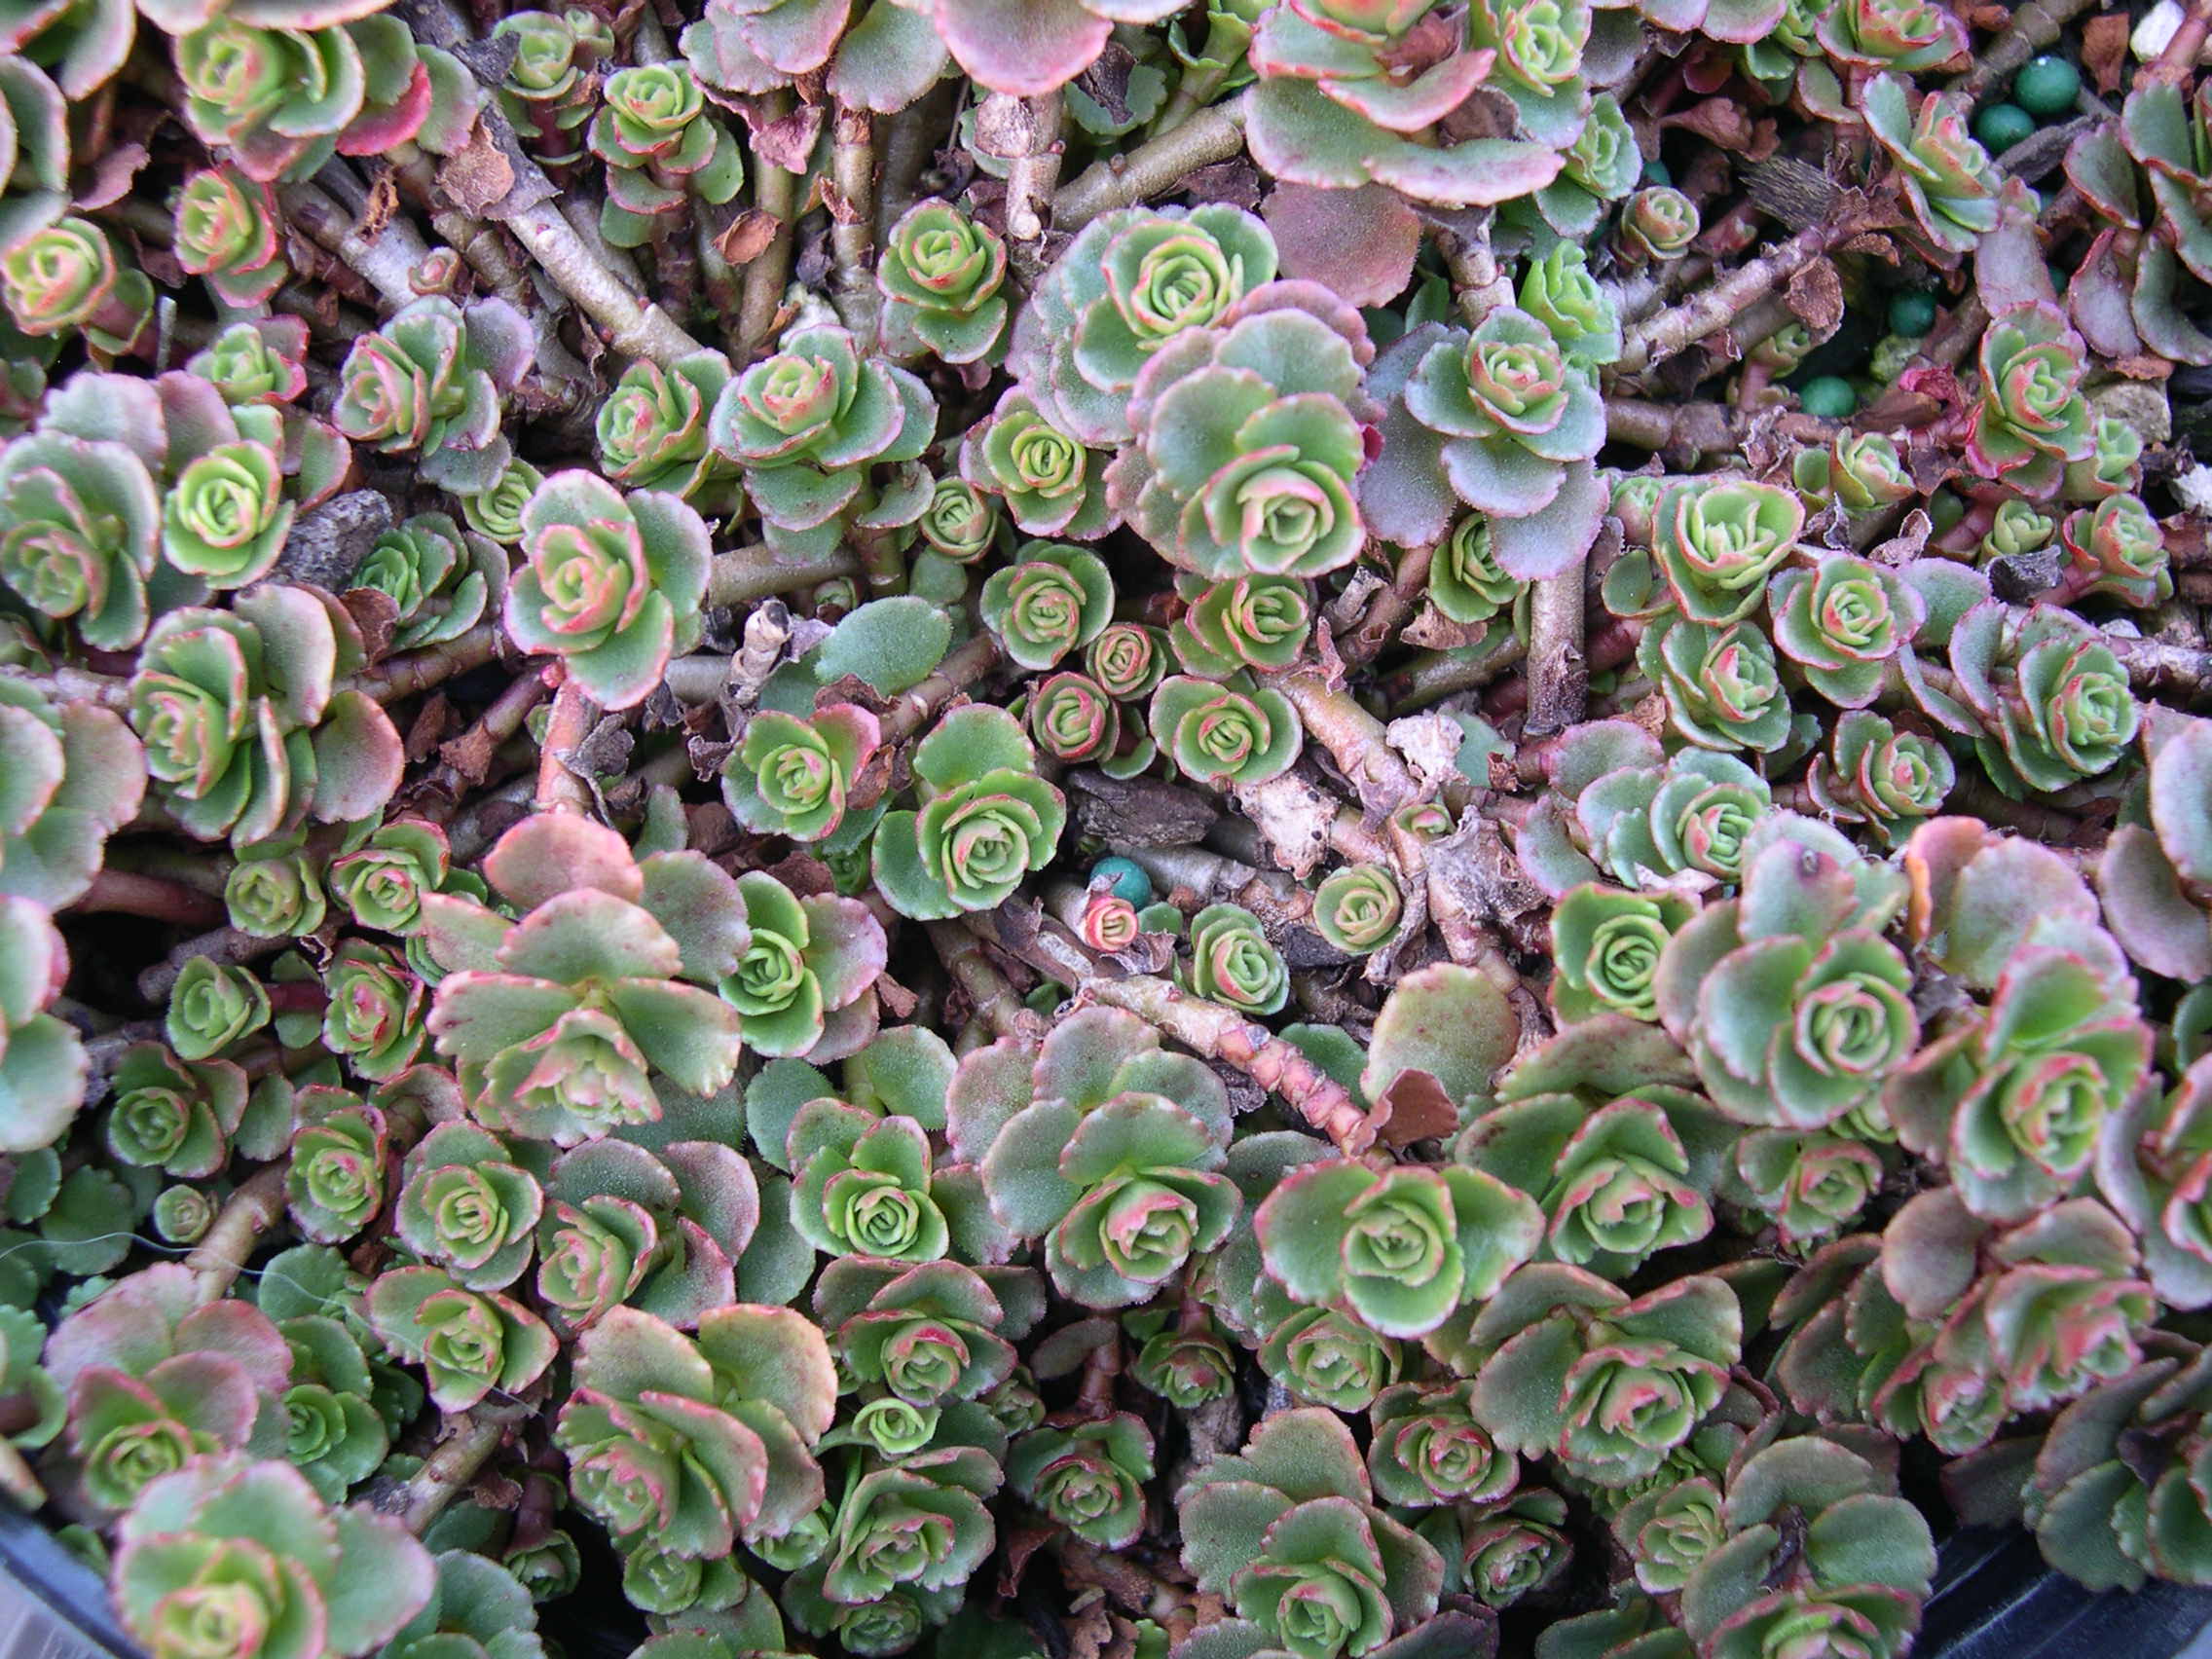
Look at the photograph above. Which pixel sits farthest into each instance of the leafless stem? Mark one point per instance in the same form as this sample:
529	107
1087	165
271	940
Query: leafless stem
775	193
400	676
1679	327
1559	678
1152	169
246	1214
1354	739
987	989
852	218
1025	133
466	1445
1223	1034
559	790
748	573
388	260
153	897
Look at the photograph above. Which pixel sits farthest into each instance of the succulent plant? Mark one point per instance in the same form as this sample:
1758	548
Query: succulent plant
2017	1096
175	1114
83	531
1658	224
1615	1186
332	1432
1722	686
547	91
805	984
793	777
697	1441
1428	1449
227	232
928	1333
431	379
1607	942
1557	1346
2052	700
1831	1019
1058	41
1841	623
652	429
2109	1521
441	581
1288	1530
1088	1478
2030	420
1129	283
495	511
558	1020
1234	962
1887	779
612	583
476	1609
76	775
1644	1011
960	522
1402	1251
1644	823
1233	732
1744	1594
1239	469
1508	421
245	1547
1333	109
1250	621
287	98
2162	131
661	149
2116	547
68	276
985	820
1358	910
1073	719
1052	602
1050	483
1954	189
940	276
469	1342
1142	1195
806	423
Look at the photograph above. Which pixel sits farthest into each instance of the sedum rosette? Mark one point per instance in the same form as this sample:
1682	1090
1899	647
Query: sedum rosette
1248	439
612	583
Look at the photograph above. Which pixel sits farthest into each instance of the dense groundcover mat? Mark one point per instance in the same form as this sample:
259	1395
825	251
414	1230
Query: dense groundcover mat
1106	828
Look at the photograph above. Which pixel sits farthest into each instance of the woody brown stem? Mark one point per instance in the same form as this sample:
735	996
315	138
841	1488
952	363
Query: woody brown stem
1025	134
746	573
400	676
245	1216
1389	610
1713	307
852	219
914	708
1152	169
2179	57
153	897
1559	678
987	990
1355	740
225	947
1220	1033
558	790
2036	27
775	193
466	1447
